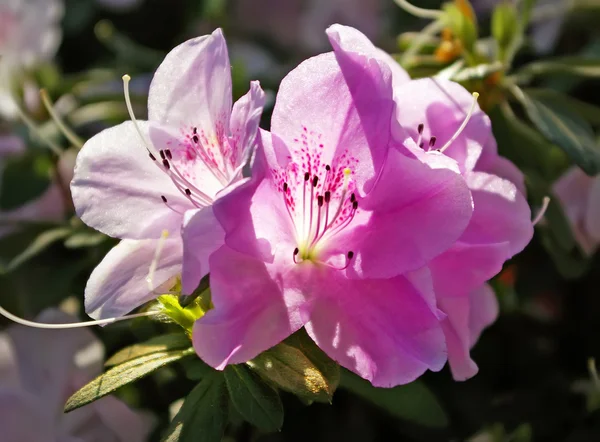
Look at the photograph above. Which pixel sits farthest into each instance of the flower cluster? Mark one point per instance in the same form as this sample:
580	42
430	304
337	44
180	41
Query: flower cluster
376	209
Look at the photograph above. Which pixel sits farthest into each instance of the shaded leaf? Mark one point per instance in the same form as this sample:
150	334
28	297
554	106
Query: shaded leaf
566	129
257	402
84	239
24	178
172	341
38	245
121	375
203	415
571	65
413	402
589	112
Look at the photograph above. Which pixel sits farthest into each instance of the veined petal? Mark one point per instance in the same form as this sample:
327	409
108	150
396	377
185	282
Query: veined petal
202	235
120	282
192	86
254	309
467	317
442	106
384	330
501	213
326	116
417	213
245	118
117	187
253	215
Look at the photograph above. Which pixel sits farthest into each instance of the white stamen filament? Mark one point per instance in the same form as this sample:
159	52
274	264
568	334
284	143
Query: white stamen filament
542	211
34	324
126	80
347	173
463	125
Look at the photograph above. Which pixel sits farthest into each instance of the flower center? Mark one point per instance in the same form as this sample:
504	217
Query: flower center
321	203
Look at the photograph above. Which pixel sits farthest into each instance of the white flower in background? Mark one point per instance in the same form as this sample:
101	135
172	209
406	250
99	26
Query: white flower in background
40	369
29	33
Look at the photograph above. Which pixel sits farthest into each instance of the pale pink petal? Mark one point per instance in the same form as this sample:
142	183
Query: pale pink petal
120	282
418	212
45	358
390	339
592	215
253	215
245	118
24	419
9	370
501	213
192	86
253	309
465	267
11	145
124	422
202	235
117	187
468	316
442	106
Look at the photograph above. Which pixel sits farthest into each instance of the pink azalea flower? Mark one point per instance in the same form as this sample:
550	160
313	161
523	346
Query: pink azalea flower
335	229
138	179
579	195
429	110
39	370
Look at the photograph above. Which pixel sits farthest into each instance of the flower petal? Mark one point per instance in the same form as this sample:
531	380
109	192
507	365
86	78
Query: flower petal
124	422
192	86
245	118
592	214
501	213
24	418
253	215
202	235
442	106
119	283
381	329
418	212
117	188
348	115
252	312
484	311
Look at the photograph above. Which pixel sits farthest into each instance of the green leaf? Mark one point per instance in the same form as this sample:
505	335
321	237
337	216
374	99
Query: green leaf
87	238
571	65
589	112
123	374
24	179
256	401
566	129
203	415
38	245
505	25
288	367
158	344
412	402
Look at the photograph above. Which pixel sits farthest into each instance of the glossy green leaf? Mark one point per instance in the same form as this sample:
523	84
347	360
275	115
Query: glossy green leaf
589	112
288	367
566	129
254	399
123	374
158	344
203	415
412	402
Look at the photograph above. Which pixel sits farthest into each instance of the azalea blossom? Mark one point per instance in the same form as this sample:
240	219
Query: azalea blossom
335	229
29	33
141	178
51	205
39	370
429	110
579	195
